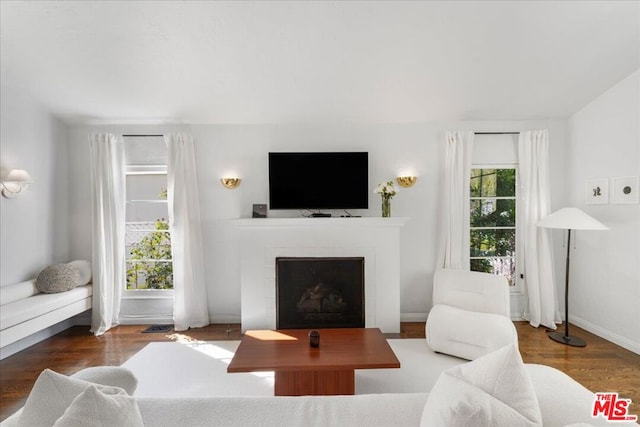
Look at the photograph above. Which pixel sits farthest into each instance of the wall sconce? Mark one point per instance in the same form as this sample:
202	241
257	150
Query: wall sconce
406	181
15	183
230	183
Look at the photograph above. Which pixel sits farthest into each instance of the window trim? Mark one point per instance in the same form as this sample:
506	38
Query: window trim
146	293
517	288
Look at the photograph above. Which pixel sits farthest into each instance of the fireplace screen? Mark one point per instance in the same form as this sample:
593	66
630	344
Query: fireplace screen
319	293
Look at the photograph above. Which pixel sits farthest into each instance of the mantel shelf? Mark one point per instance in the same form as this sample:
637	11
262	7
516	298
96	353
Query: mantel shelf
319	222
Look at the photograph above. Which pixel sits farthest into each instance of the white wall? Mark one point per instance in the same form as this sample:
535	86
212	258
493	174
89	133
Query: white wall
604	142
34	226
242	150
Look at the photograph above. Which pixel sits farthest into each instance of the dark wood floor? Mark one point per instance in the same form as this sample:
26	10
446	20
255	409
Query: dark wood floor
601	366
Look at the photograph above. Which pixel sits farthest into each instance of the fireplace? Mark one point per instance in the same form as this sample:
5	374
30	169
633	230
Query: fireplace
320	292
261	241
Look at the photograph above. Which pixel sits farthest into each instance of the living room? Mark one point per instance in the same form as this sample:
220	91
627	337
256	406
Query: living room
386	78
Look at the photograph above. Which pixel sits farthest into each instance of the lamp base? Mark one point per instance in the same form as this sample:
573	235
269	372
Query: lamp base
568	340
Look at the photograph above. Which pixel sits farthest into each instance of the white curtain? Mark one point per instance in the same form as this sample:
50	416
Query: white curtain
454	221
537	259
190	306
108	229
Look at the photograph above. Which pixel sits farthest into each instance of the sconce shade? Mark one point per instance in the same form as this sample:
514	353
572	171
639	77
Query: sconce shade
16	181
571	219
19	175
230	183
406	181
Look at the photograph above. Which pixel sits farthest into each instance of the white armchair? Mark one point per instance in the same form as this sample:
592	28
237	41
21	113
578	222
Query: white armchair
470	316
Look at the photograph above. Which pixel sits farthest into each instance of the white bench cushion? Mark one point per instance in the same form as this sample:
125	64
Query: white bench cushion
37	305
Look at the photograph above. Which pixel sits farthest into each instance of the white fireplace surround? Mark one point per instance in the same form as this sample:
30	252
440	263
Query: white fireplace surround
376	239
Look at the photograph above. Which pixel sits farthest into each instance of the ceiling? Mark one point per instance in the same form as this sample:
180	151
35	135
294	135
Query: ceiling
294	61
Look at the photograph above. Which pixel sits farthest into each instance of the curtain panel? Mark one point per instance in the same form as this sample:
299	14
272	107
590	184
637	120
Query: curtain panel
108	229
454	213
537	256
190	305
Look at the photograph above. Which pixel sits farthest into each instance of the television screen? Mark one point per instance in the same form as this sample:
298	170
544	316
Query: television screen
336	180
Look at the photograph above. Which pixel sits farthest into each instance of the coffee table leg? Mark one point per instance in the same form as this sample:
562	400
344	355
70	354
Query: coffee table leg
303	383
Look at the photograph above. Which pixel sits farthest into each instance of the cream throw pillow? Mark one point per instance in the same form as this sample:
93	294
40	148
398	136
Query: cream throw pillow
84	270
493	390
102	408
51	395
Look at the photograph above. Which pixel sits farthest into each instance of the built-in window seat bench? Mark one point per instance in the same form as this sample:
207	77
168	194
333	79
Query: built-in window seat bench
25	311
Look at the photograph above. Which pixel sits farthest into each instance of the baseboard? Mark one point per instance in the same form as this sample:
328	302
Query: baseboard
160	319
146	320
606	334
422	317
224	318
413	317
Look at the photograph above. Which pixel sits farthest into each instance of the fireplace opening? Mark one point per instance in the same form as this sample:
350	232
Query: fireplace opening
319	292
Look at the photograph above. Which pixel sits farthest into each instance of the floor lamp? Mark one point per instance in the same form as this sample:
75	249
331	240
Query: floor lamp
569	219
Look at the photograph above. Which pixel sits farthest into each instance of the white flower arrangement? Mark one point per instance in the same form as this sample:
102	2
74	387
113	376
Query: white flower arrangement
387	190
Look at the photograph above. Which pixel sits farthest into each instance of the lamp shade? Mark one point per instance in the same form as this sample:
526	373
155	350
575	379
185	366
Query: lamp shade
571	219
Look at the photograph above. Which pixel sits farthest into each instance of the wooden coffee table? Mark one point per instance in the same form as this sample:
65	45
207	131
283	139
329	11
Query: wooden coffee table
303	370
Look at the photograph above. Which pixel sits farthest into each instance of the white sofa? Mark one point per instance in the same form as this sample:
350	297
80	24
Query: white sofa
562	402
24	310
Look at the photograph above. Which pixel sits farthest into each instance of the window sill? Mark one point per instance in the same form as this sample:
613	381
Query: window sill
148	294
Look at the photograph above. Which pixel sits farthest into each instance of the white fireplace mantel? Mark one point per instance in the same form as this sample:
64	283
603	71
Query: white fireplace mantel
319	222
262	240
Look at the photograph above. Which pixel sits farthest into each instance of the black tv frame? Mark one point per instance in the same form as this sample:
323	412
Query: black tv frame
319	180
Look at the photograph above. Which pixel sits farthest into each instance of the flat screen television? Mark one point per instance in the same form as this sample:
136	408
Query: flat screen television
331	180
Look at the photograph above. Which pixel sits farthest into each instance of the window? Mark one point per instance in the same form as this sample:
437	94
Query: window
148	240
493	221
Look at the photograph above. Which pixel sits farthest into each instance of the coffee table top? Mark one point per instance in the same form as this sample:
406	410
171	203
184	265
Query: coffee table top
289	350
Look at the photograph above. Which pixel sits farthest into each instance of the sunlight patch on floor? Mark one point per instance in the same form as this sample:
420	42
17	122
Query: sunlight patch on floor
214	351
267	335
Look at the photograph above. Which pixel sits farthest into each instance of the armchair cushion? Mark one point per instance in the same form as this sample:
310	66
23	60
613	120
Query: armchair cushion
472	290
467	334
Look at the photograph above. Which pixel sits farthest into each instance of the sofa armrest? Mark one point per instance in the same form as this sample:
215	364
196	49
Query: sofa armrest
115	376
564	401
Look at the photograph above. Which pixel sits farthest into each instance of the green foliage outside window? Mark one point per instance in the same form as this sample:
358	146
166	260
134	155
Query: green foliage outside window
493	221
149	265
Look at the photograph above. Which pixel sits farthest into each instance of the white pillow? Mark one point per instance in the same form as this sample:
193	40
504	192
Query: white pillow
84	269
51	395
102	408
493	390
22	290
